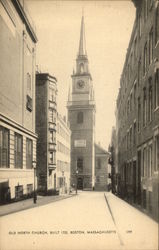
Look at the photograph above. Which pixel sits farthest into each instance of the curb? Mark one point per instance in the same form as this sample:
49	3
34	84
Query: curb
36	205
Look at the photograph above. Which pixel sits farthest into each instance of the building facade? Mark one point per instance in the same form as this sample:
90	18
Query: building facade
138	112
101	169
46	115
63	155
113	162
17	101
81	116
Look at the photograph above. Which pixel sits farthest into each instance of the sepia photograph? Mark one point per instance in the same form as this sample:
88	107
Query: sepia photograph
79	124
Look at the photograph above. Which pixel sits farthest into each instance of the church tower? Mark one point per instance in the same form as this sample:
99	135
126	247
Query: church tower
81	116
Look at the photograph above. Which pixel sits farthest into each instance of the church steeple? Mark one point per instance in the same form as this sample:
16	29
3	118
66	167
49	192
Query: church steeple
82	86
82	42
82	60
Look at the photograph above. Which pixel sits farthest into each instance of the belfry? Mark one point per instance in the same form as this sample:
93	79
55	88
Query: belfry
81	116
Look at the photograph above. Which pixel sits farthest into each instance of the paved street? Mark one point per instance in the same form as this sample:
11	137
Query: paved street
86	221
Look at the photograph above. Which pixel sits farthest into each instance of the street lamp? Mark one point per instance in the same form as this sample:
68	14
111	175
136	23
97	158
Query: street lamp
34	167
76	179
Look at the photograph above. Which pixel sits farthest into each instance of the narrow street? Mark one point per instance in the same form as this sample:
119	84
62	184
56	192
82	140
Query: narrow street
90	220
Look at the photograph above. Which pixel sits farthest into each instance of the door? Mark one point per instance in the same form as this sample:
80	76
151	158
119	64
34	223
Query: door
139	177
80	183
134	181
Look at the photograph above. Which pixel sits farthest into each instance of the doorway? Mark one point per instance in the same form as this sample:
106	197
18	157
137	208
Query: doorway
134	181
80	183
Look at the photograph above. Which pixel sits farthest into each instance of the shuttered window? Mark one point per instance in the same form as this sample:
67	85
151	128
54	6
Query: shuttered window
4	147
18	151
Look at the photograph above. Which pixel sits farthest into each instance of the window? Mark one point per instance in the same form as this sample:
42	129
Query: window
4	147
81	68
51	137
80	117
52	158
150	4
52	116
140	22
128	107
145	9
97	178
144	163
150	100
29	189
60	182
127	140
18	150
52	95
50	178
139	71
130	173
28	82
145	59
29	153
150	161
139	114
29	103
134	134
135	95
156	90
80	164
157	25
144	107
156	153
99	163
18	192
130	136
151	46
135	48
144	199
130	102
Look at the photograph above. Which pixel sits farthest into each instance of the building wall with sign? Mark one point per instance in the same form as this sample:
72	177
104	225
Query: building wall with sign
46	91
82	147
63	155
17	101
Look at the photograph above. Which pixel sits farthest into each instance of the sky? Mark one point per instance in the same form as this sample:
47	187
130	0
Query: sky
108	27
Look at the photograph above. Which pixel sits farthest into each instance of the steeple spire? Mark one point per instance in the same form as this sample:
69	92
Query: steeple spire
82	43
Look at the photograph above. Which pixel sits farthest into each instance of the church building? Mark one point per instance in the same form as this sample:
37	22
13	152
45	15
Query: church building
81	116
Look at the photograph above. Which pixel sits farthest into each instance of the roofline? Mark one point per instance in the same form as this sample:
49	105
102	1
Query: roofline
25	19
44	76
96	145
129	47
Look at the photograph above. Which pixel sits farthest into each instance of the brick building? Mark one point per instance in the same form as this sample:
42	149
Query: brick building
63	154
137	112
17	100
46	115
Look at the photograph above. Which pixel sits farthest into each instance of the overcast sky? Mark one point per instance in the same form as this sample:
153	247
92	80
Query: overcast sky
108	26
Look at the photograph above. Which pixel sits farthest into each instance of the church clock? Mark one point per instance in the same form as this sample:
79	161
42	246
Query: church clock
80	84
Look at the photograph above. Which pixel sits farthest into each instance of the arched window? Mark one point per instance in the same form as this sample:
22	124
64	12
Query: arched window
81	68
80	164
80	117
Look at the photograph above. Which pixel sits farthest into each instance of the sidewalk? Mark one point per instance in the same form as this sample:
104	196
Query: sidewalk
28	203
134	227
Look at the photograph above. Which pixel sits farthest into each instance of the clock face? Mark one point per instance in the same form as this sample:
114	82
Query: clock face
80	84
